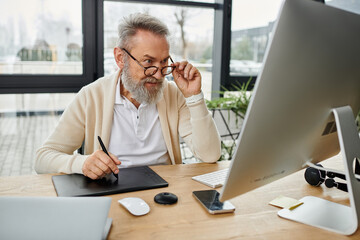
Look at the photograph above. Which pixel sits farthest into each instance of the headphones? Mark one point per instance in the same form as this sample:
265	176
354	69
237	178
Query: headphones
315	177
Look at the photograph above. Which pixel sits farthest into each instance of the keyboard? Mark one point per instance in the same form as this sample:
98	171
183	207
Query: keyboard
213	179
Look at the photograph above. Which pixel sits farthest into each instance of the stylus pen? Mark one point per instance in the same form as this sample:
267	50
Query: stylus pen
105	151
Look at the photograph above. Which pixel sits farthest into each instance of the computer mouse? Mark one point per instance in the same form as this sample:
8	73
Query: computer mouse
165	198
136	206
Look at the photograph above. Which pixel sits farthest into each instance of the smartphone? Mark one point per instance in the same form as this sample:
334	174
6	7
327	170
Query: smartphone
210	200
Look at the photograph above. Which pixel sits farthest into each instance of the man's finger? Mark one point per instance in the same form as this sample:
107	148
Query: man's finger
105	168
115	159
187	69
91	175
108	161
182	65
192	73
97	171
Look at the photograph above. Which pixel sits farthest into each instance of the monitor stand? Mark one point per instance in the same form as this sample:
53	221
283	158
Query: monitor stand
328	215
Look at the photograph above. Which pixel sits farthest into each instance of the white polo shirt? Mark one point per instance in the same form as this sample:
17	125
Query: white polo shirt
136	136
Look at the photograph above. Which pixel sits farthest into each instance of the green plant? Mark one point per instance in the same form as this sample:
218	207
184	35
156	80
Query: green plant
236	102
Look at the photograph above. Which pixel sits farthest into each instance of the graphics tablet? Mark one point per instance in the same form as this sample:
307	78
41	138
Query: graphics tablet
130	179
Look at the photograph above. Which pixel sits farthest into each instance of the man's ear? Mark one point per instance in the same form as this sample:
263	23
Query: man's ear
119	57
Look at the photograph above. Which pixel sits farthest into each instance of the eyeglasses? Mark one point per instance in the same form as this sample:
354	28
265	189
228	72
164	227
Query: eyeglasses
150	71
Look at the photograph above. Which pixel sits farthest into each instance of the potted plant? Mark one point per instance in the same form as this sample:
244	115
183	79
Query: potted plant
233	104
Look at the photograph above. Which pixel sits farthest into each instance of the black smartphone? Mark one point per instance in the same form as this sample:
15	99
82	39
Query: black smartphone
210	200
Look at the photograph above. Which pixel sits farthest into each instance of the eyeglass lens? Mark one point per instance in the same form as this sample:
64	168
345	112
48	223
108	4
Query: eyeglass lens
164	71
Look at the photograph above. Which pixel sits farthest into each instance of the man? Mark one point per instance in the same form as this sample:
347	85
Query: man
138	114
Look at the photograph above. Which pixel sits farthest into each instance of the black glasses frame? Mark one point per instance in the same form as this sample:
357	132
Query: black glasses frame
154	67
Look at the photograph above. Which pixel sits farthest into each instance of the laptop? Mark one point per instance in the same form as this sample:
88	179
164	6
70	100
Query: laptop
54	218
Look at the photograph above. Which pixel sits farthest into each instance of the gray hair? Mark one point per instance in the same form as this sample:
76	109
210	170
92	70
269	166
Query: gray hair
139	21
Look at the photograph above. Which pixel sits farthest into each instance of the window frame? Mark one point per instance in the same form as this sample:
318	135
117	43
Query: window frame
226	79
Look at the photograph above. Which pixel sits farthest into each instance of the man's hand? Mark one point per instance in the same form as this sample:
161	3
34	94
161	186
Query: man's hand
187	78
98	165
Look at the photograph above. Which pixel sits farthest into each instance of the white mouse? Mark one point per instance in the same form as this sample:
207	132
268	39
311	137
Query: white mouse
135	206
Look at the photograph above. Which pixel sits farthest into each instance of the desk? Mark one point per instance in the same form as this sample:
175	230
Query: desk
254	218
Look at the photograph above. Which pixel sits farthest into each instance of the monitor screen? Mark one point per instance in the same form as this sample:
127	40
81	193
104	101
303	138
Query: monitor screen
311	66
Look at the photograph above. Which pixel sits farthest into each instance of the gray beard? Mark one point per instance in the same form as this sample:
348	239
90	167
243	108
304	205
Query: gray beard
138	90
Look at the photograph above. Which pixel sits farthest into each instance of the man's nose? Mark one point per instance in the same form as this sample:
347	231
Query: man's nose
158	75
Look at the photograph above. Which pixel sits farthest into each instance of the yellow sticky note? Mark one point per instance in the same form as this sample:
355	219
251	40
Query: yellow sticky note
286	202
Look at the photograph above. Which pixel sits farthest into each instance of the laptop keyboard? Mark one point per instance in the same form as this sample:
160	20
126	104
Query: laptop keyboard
213	179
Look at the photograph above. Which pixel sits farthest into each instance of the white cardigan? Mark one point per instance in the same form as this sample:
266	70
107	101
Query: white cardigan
91	114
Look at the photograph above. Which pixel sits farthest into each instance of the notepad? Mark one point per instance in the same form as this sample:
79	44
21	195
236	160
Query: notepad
286	202
130	179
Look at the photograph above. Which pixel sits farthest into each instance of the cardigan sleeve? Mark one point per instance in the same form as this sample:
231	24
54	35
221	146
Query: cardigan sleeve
57	153
198	130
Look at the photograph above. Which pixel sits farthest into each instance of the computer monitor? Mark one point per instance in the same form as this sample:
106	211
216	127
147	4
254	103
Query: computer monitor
312	65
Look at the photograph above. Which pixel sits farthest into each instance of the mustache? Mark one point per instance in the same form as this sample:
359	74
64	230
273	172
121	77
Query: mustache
152	80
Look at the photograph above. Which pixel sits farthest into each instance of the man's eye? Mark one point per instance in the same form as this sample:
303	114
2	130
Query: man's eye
148	61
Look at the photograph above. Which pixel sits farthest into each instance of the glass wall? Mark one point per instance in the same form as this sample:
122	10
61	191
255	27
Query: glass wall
41	37
191	33
348	5
251	26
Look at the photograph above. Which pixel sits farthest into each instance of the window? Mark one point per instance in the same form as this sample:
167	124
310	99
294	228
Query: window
191	34
41	37
348	5
251	26
47	46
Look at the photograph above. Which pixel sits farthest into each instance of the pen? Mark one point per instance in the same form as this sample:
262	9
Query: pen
105	151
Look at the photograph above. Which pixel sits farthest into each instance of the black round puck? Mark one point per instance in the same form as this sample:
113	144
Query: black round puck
166	198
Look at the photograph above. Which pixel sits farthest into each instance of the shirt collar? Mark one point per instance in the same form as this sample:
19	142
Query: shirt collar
118	98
